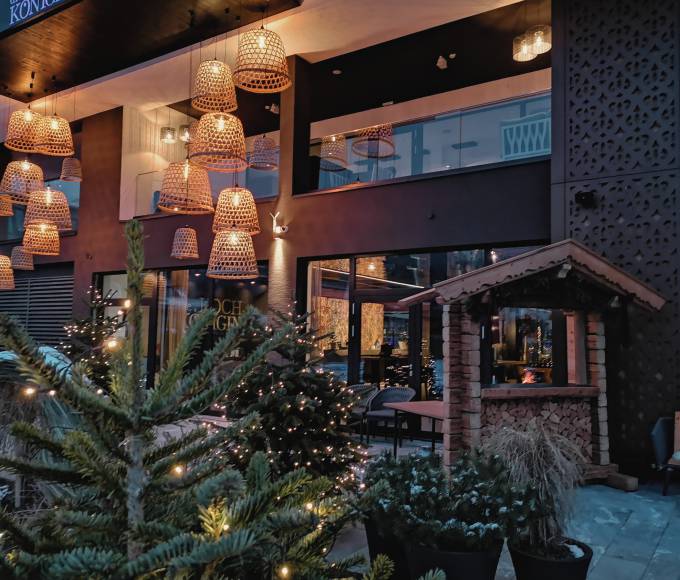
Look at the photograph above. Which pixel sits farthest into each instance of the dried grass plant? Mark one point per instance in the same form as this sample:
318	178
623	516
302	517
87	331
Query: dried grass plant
553	466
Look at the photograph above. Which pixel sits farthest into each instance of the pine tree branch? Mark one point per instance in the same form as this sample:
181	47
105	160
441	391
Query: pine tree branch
157	558
97	522
230	551
161	452
45	471
382	568
223	485
84	563
32	435
22	537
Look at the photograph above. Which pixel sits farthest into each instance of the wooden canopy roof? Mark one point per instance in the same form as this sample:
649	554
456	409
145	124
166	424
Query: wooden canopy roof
565	257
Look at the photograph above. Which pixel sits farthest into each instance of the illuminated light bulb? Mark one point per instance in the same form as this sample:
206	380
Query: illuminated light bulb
225	527
112	344
28	115
185	171
371	267
48	196
43	228
25	165
54	124
29	391
214	68
221	123
235	199
284	571
309	506
233	238
261	41
178	470
52	393
127	303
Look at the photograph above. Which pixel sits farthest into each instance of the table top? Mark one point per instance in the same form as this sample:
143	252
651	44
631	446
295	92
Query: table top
429	409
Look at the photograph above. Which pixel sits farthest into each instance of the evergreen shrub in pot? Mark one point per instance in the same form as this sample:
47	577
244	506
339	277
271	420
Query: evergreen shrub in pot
552	465
456	522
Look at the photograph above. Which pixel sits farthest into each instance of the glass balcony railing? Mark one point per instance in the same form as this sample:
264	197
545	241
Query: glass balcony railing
501	132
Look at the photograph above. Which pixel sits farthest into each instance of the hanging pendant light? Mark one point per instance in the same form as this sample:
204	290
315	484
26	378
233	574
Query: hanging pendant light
522	48
185	190
333	153
214	89
375	141
168	135
236	210
42	240
232	256
71	170
184	133
6	274
540	38
261	65
219	143
6	206
48	206
21	259
54	137
22	131
185	244
20	178
265	154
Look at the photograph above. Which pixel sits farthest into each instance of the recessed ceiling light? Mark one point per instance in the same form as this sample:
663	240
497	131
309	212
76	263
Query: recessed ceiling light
336	71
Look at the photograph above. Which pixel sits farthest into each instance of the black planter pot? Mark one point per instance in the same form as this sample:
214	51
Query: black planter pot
456	565
391	546
531	567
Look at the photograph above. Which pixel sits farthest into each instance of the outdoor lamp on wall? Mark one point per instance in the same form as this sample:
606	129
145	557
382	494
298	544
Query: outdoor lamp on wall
6	274
19	179
277	228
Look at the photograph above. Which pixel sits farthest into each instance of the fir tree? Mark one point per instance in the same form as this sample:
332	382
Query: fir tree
303	409
132	502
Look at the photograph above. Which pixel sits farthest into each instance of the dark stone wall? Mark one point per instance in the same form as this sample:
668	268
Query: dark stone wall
616	106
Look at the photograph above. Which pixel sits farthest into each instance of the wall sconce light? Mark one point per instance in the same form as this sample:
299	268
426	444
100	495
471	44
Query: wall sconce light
277	228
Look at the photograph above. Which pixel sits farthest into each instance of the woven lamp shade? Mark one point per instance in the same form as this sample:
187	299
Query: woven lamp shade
523	48
42	240
232	256
185	244
376	141
214	88
333	153
21	259
261	65
6	274
22	131
6	206
186	190
71	170
219	143
540	38
236	210
54	137
265	154
48	206
19	179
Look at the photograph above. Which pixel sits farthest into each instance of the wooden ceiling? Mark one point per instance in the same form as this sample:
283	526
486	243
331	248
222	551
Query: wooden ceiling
88	39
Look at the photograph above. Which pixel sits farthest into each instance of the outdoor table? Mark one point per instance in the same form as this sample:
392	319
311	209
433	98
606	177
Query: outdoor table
431	409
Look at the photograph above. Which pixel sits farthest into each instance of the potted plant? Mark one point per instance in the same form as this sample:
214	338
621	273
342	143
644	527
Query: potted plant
552	465
455	523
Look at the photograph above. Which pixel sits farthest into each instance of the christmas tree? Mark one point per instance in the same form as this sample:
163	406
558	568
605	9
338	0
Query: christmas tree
131	505
91	340
303	409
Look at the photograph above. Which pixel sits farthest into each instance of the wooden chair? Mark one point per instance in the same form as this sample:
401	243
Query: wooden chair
377	413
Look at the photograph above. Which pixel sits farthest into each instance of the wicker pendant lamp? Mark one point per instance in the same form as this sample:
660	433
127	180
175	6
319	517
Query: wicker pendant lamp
265	154
6	205
236	210
71	170
19	179
185	189
376	141
54	137
219	143
48	206
6	274
185	244
333	153
232	256
214	89
22	131
261	65
21	259
42	240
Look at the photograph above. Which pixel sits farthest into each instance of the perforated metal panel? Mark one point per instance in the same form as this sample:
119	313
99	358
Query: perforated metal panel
43	304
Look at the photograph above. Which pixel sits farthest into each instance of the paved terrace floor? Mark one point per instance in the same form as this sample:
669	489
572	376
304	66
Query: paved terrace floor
634	536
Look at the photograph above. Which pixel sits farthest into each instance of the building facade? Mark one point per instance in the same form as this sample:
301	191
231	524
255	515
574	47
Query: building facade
487	158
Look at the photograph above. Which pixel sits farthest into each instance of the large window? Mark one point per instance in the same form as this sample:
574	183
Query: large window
507	131
12	228
171	298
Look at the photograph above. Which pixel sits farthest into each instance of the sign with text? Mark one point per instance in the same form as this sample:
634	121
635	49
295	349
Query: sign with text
17	12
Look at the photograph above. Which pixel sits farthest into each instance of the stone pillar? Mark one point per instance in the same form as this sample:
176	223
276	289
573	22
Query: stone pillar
462	394
597	377
452	424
